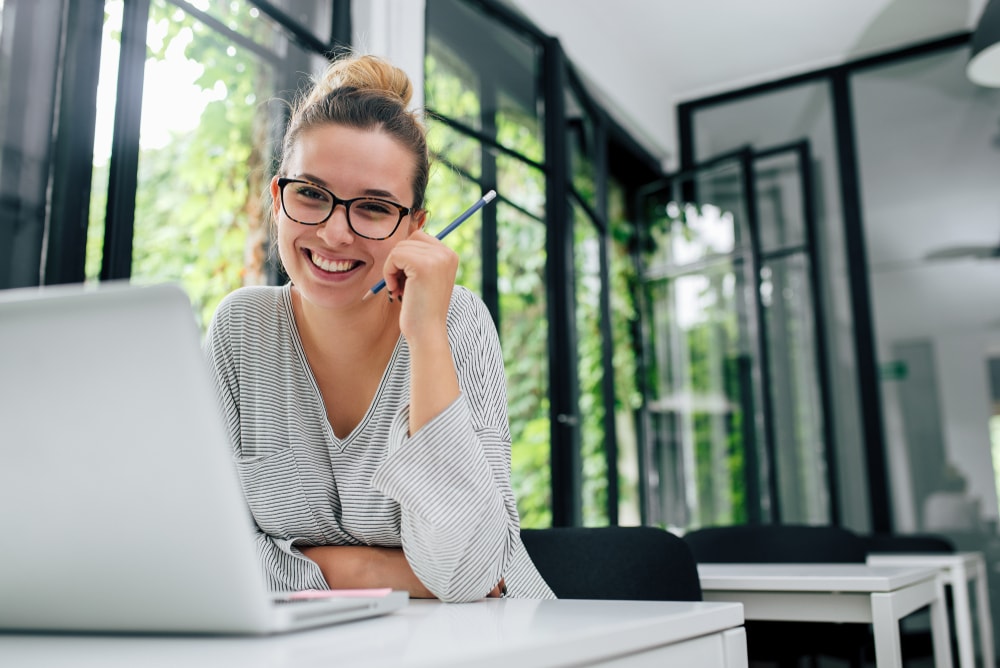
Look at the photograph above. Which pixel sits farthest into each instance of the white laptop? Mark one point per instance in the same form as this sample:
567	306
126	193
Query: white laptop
120	507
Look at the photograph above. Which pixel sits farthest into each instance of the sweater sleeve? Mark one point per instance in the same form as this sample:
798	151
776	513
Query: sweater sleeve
459	522
285	567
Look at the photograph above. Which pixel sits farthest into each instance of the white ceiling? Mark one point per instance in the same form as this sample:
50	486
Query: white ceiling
656	53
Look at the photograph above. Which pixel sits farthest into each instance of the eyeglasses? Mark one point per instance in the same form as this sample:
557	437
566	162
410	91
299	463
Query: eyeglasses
368	217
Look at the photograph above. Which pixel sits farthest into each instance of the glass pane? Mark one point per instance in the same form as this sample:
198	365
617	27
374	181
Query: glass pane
774	118
29	75
312	16
519	128
797	410
448	195
483	75
928	155
704	377
624	327
453	151
779	202
580	138
524	337
522	184
590	369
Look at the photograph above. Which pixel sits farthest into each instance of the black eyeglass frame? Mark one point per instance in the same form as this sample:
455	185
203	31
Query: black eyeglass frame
403	210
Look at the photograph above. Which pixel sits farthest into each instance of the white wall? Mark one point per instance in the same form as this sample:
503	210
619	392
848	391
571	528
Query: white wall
393	29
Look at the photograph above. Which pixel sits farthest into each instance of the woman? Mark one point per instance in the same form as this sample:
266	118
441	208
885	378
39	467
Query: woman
371	436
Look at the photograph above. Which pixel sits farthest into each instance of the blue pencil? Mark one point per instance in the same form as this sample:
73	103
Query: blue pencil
483	201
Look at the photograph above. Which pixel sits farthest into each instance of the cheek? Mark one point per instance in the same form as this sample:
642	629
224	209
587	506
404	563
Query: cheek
285	240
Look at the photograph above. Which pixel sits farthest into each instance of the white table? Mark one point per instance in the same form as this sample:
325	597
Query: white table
506	633
957	570
856	593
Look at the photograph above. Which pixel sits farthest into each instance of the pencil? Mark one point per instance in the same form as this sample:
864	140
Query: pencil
483	201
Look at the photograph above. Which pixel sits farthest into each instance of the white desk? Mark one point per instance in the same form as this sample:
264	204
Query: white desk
857	593
957	570
506	633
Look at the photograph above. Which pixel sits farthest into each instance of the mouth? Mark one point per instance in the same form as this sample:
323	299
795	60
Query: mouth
333	266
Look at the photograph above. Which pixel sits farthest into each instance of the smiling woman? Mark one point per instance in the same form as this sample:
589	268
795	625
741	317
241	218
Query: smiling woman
391	466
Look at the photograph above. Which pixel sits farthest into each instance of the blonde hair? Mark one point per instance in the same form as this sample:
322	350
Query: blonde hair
368	93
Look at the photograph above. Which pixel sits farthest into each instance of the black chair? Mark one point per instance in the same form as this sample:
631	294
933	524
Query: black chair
776	543
623	563
895	543
786	643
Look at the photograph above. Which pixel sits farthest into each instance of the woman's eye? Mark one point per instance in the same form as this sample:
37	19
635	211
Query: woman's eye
307	192
374	208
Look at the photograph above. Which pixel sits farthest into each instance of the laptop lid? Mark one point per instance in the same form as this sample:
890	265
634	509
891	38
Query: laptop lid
120	508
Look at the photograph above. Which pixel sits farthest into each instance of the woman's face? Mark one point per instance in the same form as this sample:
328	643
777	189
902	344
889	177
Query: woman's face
329	264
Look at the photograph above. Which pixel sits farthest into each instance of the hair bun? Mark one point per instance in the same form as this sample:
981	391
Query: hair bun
366	72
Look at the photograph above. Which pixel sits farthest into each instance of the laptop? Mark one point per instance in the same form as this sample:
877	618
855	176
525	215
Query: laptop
120	506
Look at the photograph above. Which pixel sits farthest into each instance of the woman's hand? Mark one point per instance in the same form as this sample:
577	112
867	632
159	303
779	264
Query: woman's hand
422	269
420	272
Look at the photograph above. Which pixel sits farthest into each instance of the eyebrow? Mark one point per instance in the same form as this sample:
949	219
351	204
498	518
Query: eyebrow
368	192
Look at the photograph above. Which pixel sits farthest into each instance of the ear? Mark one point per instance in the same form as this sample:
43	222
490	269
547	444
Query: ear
275	197
419	219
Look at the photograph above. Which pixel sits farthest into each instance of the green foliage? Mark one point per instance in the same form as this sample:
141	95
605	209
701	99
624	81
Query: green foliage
198	209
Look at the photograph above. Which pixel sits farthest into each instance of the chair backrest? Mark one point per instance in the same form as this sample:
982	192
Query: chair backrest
623	563
776	543
910	542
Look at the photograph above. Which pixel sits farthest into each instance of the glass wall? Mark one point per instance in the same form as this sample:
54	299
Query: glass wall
489	78
806	329
929	159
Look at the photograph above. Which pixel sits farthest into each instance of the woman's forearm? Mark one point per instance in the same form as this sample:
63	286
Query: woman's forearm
364	567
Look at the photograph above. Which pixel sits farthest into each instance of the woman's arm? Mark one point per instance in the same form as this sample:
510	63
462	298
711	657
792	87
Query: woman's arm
452	476
365	567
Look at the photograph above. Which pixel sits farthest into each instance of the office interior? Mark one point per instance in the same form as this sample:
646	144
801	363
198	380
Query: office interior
743	261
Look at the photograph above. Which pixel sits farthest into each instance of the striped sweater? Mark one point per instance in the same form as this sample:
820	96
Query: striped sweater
442	494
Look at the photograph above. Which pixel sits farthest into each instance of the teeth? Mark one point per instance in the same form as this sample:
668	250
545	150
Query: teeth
332	266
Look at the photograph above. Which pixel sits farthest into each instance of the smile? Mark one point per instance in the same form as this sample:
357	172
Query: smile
333	266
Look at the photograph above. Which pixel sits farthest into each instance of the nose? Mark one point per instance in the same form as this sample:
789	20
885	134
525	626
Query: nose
336	230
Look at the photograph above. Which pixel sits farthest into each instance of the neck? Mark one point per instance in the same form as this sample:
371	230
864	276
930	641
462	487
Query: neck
358	328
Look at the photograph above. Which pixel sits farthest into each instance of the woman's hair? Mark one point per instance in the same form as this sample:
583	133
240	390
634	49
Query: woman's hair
367	93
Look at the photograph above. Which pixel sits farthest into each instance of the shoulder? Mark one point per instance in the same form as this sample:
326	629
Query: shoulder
466	306
251	306
471	329
254	297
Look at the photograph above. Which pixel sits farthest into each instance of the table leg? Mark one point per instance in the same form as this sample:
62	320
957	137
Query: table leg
885	628
734	644
959	581
939	628
985	617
